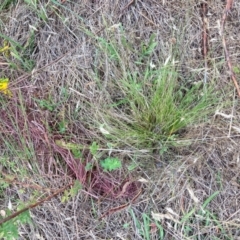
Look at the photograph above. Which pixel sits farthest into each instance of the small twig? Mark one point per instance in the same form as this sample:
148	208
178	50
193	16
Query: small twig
34	204
125	7
233	77
149	20
205	39
119	208
228	5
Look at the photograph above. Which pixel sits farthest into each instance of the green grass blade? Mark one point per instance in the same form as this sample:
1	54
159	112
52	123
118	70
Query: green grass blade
187	216
209	199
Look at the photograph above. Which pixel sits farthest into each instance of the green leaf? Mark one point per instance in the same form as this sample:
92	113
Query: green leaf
76	187
76	153
9	230
62	126
208	200
89	166
110	164
188	215
94	148
132	166
25	217
147	50
146	222
236	70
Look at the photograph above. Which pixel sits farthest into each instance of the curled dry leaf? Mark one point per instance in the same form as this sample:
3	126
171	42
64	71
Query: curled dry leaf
237	129
9	205
160	217
2	213
143	180
172	212
192	195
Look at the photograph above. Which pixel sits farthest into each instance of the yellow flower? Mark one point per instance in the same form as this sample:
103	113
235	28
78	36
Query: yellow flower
4	86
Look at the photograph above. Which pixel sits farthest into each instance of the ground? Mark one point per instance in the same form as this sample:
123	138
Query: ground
93	91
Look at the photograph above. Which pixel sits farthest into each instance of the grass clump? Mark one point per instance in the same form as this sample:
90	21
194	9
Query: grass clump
149	105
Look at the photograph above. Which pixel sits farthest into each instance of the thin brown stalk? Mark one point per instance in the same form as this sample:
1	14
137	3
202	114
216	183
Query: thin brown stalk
119	208
205	38
126	6
233	77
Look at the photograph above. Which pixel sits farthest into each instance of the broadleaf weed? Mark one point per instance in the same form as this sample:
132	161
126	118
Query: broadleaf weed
110	164
9	230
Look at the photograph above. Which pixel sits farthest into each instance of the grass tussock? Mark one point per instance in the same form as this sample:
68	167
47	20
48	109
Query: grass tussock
144	104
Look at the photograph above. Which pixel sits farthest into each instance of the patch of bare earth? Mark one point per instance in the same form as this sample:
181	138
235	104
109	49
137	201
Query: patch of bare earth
172	188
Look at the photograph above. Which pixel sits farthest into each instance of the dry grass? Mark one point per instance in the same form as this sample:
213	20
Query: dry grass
72	78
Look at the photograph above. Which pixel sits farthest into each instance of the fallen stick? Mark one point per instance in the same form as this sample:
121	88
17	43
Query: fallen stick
233	77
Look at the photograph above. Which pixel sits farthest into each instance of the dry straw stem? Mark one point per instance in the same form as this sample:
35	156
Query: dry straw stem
226	12
205	40
25	76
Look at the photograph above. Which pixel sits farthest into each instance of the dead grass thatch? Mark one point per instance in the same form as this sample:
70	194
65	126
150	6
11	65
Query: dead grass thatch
174	186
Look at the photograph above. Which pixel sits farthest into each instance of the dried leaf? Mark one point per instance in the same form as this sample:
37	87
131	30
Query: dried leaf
172	212
236	129
160	217
192	195
9	205
2	213
103	130
143	180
